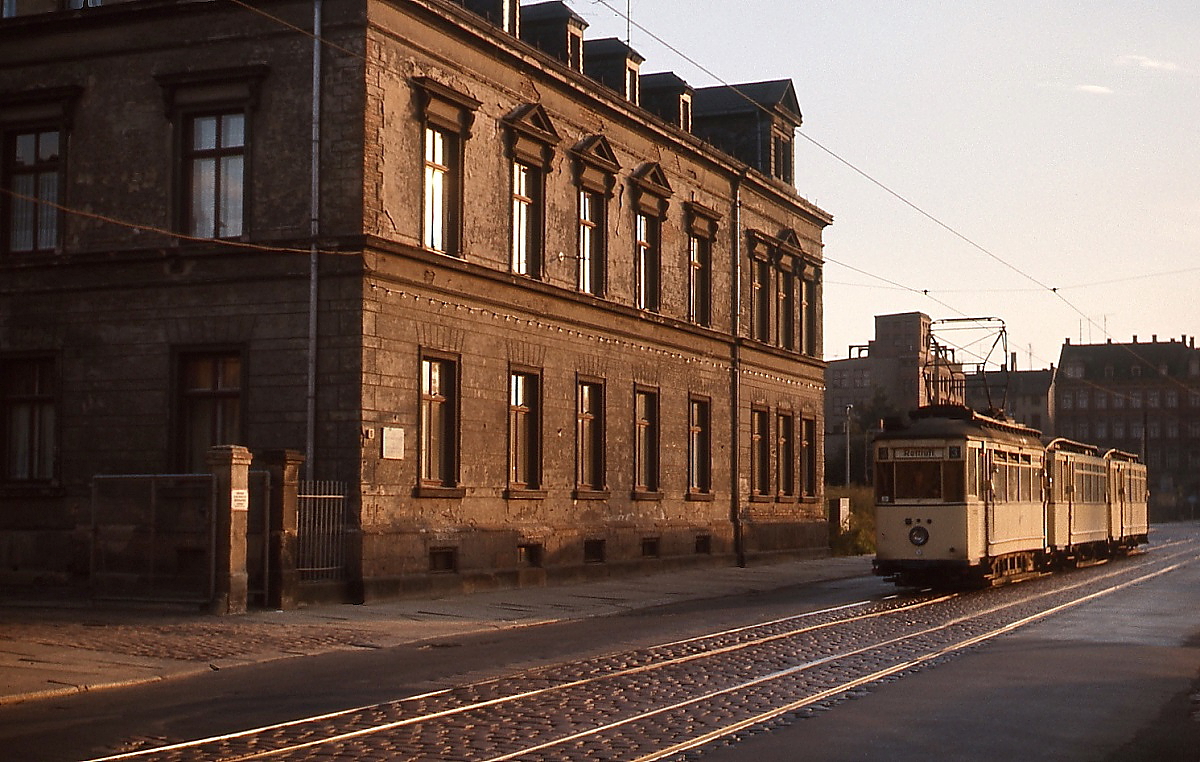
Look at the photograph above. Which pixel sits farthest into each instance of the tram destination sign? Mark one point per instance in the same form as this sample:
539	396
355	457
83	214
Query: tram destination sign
919	453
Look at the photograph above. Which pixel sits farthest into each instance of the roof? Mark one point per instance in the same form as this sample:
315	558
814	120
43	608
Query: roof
555	9
951	421
1116	361
778	96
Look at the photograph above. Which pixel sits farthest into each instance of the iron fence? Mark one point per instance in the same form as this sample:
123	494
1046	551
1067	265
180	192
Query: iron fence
321	531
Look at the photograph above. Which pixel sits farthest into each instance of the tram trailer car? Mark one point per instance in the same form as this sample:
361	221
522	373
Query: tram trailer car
964	498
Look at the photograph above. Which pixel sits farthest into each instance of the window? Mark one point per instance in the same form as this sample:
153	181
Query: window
448	116
28	414
443	560
699	445
760	452
650	194
646	441
439	422
808	316
700	280
214	160
31	168
77	4
808	449
589	439
647	262
595	167
702	231
785	452
526	220
685	112
593	551
440	221
591	242
210	405
760	303
1081	399
785	310
783	165
524	431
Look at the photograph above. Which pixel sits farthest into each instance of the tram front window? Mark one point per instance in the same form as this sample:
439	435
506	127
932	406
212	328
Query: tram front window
928	480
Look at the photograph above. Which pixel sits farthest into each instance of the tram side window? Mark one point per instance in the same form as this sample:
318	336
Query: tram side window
953	487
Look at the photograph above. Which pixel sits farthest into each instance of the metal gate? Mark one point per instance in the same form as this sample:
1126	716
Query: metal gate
321	531
153	537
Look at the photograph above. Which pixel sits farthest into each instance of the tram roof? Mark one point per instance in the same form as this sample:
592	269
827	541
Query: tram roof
953	421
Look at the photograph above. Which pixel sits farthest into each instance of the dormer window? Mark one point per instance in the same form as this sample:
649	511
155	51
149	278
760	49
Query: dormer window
782	165
631	84
685	112
78	4
575	49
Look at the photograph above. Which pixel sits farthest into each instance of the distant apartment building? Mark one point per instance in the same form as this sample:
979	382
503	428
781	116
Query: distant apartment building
544	315
1140	397
1025	396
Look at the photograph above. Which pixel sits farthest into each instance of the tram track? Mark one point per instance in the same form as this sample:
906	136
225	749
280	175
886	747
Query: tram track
730	680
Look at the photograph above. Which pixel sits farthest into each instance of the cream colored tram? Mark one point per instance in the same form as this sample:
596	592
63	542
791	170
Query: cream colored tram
958	498
1129	498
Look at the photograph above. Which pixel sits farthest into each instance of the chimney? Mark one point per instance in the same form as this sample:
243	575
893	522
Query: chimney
1067	341
1013	363
1154	338
1135	338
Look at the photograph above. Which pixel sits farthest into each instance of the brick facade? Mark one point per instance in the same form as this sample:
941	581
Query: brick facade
123	302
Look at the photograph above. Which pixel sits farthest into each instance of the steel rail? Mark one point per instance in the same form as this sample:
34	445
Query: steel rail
656	665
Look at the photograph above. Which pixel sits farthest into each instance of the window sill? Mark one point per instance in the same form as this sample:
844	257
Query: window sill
699	497
762	498
434	491
524	494
786	499
642	494
591	494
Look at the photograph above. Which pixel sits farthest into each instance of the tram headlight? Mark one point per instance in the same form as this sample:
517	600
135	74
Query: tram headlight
918	536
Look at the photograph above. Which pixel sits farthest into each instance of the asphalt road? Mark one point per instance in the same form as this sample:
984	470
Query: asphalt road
1116	679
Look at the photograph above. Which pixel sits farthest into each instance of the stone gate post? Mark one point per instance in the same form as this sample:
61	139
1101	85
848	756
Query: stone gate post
283	579
230	464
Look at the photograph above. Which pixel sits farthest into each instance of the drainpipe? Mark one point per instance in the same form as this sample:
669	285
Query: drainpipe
313	258
735	377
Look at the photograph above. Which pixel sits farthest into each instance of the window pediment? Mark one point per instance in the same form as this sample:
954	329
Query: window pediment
701	220
445	106
595	163
532	136
50	105
202	89
652	191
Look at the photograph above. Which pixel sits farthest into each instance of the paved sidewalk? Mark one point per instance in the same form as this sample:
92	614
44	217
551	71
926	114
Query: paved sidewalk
55	650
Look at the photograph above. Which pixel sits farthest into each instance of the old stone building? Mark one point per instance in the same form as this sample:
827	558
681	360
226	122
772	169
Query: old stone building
538	329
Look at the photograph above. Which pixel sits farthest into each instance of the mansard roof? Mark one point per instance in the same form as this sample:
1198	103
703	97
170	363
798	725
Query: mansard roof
777	96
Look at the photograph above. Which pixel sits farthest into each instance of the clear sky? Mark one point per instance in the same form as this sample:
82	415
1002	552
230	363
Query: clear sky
1060	139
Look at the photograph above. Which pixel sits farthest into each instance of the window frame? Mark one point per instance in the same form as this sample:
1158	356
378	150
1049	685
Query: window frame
647	262
36	112
448	115
42	207
647	455
42	446
527	212
590	439
699	471
785	455
524	431
702	233
760	453
220	189
186	401
592	245
440	478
